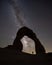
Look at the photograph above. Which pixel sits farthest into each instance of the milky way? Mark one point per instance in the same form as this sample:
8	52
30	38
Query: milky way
13	3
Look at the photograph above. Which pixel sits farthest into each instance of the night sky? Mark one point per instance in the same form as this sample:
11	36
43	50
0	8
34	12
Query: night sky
36	14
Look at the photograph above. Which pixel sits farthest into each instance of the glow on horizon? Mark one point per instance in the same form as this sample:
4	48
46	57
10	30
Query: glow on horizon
28	45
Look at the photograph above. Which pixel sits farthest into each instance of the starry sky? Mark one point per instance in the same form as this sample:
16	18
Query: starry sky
35	14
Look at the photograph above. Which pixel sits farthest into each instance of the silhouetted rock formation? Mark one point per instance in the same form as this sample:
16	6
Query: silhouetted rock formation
17	44
39	47
8	55
28	32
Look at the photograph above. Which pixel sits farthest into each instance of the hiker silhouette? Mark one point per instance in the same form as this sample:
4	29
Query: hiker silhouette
25	31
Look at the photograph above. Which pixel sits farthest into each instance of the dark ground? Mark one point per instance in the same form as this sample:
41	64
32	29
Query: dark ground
11	57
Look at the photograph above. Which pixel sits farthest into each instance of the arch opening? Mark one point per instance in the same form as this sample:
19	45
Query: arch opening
28	45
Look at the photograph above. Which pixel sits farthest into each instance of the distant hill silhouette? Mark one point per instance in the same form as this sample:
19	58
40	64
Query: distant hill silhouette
13	55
